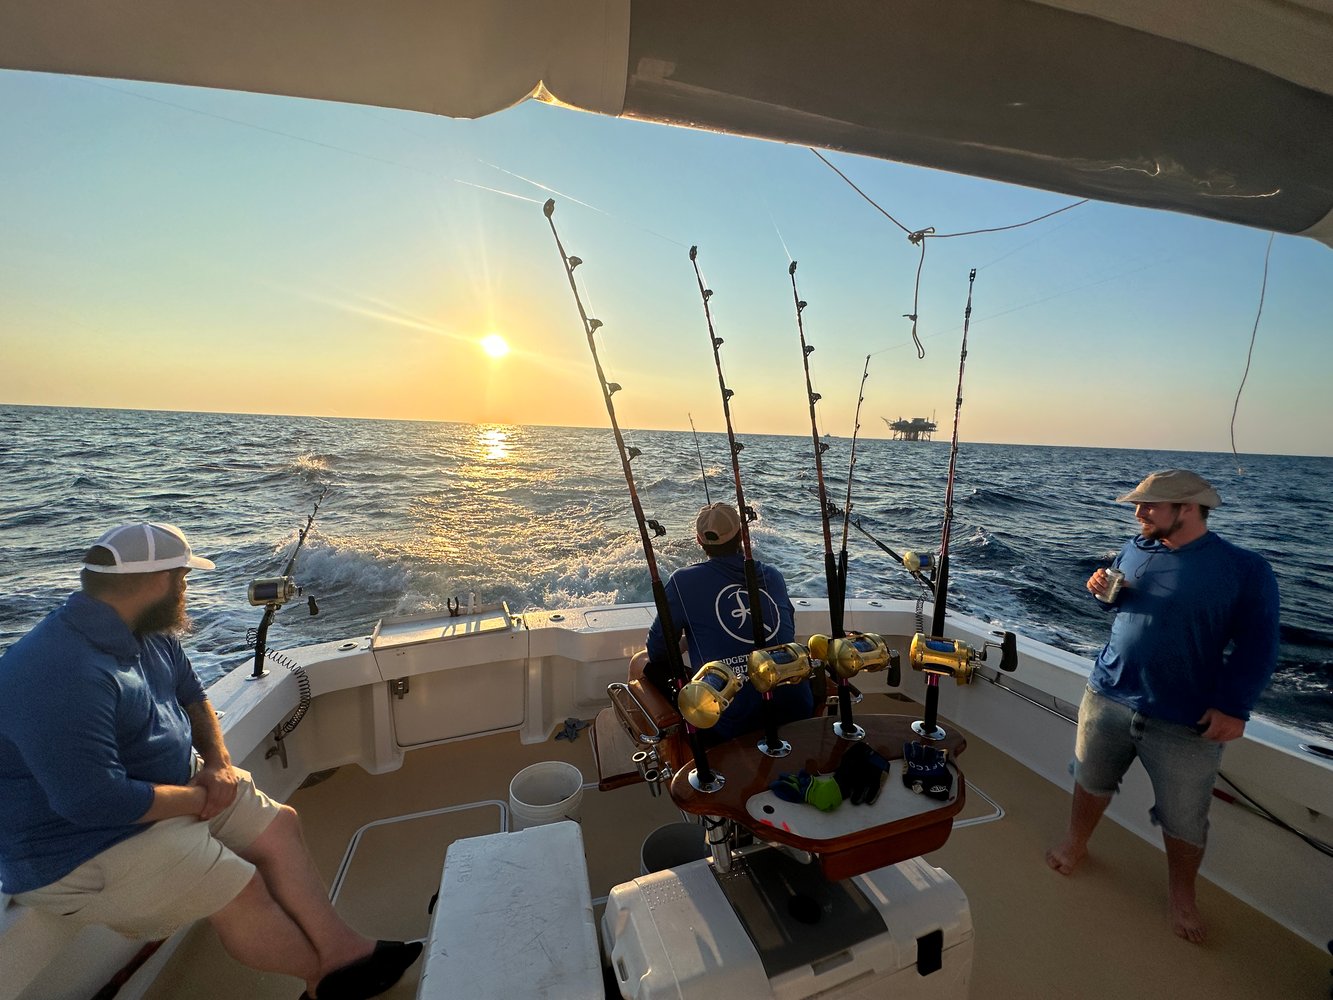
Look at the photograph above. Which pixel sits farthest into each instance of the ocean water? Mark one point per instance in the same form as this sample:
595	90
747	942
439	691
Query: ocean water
418	513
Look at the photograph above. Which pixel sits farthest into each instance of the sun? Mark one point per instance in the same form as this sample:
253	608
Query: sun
494	345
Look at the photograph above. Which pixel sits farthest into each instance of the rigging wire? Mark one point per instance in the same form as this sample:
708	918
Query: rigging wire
918	237
1263	289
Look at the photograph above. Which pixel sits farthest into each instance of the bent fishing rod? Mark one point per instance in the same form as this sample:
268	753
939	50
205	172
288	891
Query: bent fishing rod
648	528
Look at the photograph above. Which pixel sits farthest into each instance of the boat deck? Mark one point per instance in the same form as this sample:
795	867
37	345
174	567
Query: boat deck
1103	932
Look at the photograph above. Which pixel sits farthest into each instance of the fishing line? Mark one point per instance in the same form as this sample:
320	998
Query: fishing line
648	529
537	184
1263	289
703	474
483	187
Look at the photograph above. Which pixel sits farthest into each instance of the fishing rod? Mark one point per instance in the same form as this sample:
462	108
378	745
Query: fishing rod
708	497
851	467
933	654
843	655
273	592
747	513
942	573
771	745
836	581
703	778
835	568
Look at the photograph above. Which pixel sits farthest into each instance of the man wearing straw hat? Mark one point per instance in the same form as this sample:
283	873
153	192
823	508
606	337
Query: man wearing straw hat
121	804
1193	643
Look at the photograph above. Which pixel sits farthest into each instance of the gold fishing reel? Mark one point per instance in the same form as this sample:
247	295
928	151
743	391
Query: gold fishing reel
942	657
775	666
955	658
855	653
708	694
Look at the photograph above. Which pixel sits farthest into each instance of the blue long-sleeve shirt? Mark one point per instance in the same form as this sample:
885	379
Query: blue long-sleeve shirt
1196	627
710	604
91	718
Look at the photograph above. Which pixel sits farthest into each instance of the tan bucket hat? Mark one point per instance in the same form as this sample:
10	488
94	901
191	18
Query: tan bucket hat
1173	486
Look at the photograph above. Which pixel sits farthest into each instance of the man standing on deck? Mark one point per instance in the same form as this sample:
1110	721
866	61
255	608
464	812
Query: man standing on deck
111	818
709	601
1193	643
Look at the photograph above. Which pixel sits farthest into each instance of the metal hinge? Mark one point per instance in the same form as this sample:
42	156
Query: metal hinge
399	687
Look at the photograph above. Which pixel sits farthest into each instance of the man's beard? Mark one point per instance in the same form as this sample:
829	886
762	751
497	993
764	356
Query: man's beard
1153	533
167	616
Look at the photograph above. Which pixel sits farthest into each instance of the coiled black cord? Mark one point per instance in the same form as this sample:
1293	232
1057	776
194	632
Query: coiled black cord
302	683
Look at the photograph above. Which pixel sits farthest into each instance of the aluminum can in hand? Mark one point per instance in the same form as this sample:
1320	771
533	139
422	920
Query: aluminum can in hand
1114	581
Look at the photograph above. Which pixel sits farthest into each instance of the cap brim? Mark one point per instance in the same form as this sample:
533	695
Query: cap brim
199	562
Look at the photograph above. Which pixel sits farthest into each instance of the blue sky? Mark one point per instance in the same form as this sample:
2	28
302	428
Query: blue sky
170	248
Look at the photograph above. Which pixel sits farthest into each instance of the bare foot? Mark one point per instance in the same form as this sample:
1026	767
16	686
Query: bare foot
1065	857
1186	921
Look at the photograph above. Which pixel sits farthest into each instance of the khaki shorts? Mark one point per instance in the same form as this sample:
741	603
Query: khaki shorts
173	873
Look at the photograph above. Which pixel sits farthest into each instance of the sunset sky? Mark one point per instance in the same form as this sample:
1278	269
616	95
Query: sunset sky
170	248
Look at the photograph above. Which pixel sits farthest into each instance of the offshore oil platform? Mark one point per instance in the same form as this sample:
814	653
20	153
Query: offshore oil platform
916	429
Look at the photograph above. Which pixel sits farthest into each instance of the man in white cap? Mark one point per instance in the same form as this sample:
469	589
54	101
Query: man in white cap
710	603
110	817
1193	643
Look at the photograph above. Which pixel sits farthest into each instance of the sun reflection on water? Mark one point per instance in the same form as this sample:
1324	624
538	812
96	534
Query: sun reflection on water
493	443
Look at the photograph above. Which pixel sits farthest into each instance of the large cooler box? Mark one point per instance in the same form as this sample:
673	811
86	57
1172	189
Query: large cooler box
772	928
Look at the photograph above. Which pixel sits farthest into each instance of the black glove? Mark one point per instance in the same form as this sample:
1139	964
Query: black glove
860	774
659	676
926	770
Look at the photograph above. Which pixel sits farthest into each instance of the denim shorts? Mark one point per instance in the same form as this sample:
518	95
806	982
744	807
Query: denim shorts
1181	764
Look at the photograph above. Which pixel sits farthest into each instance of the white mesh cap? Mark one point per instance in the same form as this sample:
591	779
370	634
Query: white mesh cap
148	547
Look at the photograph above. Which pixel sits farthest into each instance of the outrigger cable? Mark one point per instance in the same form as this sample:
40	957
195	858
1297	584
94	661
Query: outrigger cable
929	728
703	474
647	528
746	513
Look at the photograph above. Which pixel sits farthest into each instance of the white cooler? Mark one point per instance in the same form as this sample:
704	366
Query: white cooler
776	930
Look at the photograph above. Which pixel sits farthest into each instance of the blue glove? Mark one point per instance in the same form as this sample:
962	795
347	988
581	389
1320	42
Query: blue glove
818	790
926	771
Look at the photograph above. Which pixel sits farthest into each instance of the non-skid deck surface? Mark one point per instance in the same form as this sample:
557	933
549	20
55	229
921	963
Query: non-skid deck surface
1101	933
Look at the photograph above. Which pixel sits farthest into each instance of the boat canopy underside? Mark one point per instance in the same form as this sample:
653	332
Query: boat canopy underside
1223	111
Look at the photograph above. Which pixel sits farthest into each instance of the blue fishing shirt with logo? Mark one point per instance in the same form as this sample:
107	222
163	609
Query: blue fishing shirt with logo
1196	627
91	718
709	602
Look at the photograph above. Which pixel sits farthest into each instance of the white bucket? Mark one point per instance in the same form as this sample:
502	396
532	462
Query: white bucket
546	792
671	846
